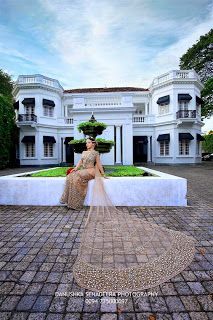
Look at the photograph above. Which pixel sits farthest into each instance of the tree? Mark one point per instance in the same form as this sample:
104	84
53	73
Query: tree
6	84
207	145
207	107
8	128
199	57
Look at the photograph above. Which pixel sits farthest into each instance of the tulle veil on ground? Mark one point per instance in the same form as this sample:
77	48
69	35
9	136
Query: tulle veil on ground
122	253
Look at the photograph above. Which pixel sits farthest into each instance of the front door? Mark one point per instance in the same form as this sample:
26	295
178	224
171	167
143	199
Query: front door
139	149
69	153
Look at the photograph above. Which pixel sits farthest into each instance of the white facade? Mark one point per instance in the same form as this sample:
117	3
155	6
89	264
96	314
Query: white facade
144	123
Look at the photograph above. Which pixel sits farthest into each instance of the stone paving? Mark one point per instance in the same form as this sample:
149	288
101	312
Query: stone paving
38	246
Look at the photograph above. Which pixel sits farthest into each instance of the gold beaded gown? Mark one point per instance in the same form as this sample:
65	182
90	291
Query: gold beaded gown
122	253
77	181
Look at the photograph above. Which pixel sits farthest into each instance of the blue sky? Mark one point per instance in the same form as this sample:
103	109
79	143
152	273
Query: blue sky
95	43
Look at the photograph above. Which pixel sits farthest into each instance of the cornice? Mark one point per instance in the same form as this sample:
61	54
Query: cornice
176	81
101	94
18	87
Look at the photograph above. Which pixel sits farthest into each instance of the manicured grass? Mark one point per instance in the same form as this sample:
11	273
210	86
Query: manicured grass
111	171
54	172
124	171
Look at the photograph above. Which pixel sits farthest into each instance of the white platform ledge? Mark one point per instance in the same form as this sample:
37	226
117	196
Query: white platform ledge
161	190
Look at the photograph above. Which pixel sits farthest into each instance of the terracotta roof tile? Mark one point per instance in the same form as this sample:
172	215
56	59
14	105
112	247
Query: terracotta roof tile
111	89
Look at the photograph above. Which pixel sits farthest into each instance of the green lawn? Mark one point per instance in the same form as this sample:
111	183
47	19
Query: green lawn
110	171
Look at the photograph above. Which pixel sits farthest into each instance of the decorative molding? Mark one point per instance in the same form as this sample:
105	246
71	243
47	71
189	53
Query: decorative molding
176	81
18	87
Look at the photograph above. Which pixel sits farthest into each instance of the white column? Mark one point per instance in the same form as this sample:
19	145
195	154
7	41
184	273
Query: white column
146	109
149	150
118	144
64	151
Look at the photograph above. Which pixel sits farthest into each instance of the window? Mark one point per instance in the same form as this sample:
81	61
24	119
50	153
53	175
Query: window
184	147
198	109
140	108
140	111
29	149
198	147
48	149
163	108
164	148
184	105
69	110
17	151
48	111
29	109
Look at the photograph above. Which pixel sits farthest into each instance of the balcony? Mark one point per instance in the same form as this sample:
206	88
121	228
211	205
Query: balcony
143	119
38	79
185	114
26	118
139	119
68	120
177	76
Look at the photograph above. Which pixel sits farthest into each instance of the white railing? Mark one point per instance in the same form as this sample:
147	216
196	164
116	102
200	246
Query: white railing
27	80
150	119
175	74
102	102
139	119
161	79
182	74
68	120
38	79
107	104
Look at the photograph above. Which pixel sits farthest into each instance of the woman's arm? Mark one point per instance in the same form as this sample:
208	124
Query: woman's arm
79	163
98	161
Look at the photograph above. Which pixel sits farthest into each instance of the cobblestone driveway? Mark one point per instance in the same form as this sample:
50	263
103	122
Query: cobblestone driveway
38	246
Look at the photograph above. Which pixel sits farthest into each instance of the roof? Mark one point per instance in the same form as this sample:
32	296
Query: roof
111	89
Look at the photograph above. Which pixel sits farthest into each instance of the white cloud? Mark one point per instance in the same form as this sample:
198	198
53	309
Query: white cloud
169	58
208	125
108	43
97	43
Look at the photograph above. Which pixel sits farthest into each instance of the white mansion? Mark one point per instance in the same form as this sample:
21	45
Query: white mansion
161	124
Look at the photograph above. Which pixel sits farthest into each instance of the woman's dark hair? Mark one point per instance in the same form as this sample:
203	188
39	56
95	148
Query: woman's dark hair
93	141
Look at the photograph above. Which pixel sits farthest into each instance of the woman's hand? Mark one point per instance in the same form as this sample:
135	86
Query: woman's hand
104	176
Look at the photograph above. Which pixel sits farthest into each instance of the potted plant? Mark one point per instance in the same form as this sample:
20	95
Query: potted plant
103	146
92	128
78	145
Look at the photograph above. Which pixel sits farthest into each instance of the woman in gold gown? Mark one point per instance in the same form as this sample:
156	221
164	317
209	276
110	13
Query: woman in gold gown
77	181
119	252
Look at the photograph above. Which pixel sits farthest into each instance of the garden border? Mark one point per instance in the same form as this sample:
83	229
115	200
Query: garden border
161	190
